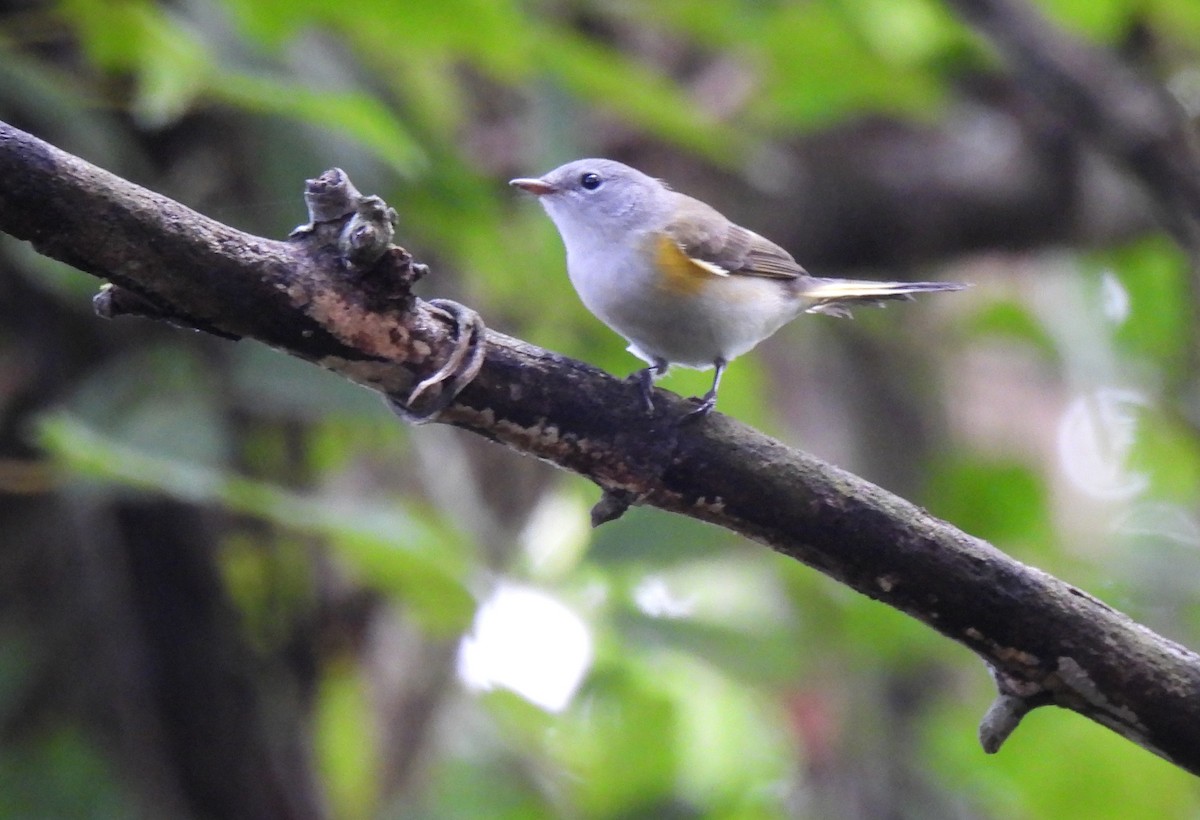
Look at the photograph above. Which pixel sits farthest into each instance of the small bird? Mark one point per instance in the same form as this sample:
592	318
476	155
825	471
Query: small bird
678	280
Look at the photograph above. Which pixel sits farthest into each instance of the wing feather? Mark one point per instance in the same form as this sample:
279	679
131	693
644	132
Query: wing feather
710	239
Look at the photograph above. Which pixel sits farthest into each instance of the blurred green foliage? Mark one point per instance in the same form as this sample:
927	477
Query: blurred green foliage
419	559
61	775
342	728
724	681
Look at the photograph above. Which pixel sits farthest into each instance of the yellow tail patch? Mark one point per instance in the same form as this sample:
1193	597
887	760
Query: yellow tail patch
851	289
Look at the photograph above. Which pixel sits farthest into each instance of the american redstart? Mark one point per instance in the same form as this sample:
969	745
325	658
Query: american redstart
681	282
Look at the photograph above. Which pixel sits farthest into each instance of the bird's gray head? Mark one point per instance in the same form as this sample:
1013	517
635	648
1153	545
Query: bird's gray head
599	201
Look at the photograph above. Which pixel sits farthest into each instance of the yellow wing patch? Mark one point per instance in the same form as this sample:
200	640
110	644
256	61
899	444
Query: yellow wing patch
681	273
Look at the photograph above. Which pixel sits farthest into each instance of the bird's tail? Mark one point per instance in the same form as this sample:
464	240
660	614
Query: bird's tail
836	296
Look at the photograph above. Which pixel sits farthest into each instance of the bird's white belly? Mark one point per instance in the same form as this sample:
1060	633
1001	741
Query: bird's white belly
722	317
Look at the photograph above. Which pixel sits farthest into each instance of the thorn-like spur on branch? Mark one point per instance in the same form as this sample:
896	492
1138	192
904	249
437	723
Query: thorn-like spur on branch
1015	699
344	301
113	302
1000	720
613	504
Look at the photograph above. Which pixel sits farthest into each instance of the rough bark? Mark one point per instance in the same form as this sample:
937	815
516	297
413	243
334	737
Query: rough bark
1046	641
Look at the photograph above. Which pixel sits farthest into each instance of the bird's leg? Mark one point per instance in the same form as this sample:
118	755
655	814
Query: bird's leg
645	379
708	401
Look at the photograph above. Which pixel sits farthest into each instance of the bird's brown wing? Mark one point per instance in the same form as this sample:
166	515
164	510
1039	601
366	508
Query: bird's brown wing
710	239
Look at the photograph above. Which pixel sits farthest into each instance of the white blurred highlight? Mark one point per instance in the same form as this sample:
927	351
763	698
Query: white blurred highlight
527	642
654	597
1114	298
1096	433
556	535
1160	520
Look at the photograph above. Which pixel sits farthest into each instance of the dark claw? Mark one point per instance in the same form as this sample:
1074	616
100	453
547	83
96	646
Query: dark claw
706	403
645	381
460	368
704	406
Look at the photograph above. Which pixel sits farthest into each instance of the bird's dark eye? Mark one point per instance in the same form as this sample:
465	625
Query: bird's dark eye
590	181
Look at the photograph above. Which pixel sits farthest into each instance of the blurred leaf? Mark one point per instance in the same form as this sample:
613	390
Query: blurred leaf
648	538
716	22
60	774
737	588
161	399
112	33
354	114
497	39
556	536
495	789
57	103
1177	18
1104	20
271	22
819	62
833	74
876	640
429	84
1154	275
734	743
19	662
1040	770
1168	454
172	68
1000	500
1154	564
276	384
336	440
416	47
518	716
270	578
904	33
1012	320
391	548
170	65
49	275
766	656
616	743
345	741
639	94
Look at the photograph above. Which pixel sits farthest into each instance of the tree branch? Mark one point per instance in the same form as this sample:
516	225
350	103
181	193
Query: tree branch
1045	641
1132	120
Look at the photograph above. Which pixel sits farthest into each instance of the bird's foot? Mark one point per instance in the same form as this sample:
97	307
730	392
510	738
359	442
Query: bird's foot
704	406
460	368
645	381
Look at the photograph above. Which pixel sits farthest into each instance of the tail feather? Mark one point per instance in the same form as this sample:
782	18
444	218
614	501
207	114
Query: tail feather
836	296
